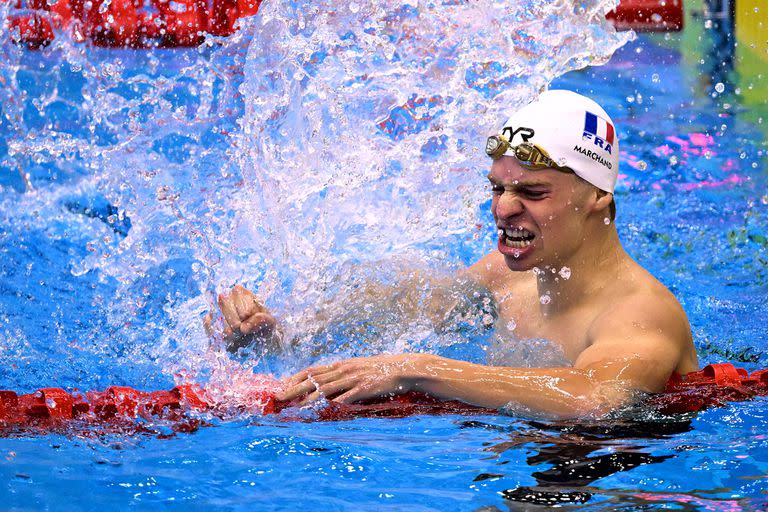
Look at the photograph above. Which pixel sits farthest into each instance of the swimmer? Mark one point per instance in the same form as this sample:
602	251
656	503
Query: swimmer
559	273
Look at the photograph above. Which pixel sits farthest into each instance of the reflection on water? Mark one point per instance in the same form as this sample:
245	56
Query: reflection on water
575	457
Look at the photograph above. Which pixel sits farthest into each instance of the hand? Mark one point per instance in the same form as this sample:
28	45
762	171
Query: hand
357	379
245	319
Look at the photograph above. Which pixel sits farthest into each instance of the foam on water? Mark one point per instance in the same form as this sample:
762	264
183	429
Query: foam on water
322	136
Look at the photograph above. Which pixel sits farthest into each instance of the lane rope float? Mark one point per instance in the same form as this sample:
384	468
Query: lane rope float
125	409
185	23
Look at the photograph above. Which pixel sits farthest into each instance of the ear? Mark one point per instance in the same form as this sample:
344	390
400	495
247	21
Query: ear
602	201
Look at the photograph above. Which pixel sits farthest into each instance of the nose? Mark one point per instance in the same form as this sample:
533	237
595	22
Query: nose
507	205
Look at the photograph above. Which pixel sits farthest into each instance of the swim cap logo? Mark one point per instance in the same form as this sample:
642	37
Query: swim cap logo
525	133
599	131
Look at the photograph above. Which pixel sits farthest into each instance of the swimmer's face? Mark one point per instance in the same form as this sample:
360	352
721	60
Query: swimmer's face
540	214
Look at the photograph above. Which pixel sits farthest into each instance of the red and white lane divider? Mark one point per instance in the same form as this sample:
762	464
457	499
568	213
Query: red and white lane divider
124	409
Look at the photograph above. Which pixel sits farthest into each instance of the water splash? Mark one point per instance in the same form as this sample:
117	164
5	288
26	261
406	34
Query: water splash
322	136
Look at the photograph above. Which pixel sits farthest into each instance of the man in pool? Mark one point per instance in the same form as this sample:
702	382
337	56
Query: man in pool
559	272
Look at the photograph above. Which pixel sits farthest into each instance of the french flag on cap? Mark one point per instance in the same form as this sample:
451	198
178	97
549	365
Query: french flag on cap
598	127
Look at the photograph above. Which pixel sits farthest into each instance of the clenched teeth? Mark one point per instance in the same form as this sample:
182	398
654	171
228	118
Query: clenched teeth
516	244
517	238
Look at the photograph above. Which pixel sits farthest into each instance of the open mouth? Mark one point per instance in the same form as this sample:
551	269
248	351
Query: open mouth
517	238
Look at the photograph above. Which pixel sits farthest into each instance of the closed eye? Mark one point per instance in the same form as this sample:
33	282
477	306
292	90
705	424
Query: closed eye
534	193
497	189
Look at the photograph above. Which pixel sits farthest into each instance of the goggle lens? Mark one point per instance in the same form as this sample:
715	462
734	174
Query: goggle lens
529	155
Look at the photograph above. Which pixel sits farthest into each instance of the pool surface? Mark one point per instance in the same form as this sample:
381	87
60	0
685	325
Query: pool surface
136	185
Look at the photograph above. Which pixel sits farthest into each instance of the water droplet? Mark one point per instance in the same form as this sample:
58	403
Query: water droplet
764	199
720	87
742	155
641	165
565	273
511	325
545	299
655	78
673	160
708	24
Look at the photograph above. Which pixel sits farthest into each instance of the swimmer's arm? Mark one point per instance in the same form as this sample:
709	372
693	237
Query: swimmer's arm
554	392
448	303
634	351
557	392
632	354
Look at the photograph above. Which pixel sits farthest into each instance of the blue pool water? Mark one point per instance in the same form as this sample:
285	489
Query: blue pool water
133	186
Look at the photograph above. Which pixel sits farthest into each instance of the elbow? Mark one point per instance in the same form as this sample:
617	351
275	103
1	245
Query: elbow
602	399
592	401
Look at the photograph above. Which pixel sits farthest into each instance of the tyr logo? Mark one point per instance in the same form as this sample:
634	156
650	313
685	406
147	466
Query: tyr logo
525	133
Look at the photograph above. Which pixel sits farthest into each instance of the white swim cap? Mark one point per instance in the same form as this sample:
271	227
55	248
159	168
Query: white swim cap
574	130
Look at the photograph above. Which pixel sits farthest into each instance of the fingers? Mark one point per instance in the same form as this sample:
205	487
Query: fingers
355	394
312	397
346	381
308	381
228	309
245	302
239	307
315	371
330	389
335	387
259	324
296	391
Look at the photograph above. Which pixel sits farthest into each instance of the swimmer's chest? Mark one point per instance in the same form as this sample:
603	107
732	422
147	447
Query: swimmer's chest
521	318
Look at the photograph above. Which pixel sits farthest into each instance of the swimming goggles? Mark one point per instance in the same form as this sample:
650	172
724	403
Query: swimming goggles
530	156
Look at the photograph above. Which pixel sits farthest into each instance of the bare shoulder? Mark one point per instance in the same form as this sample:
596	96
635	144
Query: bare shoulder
492	272
646	316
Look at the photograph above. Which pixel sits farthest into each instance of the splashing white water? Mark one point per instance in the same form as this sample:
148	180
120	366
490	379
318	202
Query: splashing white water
323	135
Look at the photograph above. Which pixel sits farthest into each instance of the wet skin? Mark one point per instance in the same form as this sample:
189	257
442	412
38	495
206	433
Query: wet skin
566	279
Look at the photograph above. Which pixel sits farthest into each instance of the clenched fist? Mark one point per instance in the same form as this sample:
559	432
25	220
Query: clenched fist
246	320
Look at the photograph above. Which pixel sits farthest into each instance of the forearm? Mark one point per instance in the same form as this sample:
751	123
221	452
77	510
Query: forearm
561	392
373	309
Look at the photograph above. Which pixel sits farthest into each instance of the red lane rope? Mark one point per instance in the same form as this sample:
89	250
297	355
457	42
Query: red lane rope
181	23
127	23
648	15
118	408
